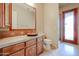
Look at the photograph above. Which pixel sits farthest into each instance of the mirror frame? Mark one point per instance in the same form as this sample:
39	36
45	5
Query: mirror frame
10	17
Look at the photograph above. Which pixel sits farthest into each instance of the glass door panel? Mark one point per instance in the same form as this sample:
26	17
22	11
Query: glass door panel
69	26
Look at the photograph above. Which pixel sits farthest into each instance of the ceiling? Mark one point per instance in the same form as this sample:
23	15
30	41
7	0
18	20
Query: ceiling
64	4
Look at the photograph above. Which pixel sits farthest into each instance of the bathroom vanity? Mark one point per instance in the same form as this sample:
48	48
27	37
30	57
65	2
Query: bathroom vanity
17	20
22	45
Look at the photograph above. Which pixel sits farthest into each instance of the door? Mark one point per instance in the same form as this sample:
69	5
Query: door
70	26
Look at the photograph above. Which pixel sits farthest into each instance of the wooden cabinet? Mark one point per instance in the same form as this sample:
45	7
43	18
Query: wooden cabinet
30	42
11	49
31	51
30	48
39	46
2	15
19	53
34	47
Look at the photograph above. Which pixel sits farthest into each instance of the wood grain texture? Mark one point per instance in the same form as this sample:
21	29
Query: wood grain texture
10	16
19	53
16	32
31	51
1	14
30	48
12	49
30	43
39	46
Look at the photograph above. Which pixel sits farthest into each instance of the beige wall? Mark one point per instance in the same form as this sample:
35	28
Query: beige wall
51	22
39	17
47	21
69	7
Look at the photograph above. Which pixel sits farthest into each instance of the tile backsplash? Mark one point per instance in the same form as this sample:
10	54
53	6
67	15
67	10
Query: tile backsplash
16	32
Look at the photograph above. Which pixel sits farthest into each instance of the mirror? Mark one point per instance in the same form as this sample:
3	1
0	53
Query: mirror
17	16
23	16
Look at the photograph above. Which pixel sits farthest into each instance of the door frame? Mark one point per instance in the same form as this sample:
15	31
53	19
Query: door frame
75	26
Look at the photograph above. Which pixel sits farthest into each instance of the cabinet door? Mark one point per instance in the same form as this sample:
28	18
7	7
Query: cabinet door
19	53
12	49
31	51
2	15
39	45
30	42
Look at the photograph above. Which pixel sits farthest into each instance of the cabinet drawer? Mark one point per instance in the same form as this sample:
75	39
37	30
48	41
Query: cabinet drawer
31	51
31	42
19	53
13	48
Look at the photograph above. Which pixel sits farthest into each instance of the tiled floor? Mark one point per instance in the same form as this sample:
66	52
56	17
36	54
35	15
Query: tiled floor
65	49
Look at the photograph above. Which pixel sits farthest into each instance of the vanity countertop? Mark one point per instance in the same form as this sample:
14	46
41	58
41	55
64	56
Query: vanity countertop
17	39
